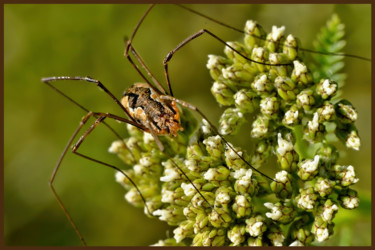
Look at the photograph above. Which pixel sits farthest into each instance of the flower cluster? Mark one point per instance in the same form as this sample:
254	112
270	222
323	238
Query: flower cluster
211	191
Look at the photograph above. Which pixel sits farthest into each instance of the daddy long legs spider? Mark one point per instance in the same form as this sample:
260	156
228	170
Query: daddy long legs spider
140	121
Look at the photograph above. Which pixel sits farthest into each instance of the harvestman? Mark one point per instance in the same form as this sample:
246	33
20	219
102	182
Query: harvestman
148	107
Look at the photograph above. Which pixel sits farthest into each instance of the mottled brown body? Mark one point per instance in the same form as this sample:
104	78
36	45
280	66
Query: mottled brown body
146	107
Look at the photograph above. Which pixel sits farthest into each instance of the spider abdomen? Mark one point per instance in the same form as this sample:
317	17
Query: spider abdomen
144	105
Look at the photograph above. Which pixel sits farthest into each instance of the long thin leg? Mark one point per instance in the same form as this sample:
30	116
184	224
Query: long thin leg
84	109
198	34
192	107
102	116
90	80
97	122
144	66
129	42
135	66
205	31
161	147
262	38
130	47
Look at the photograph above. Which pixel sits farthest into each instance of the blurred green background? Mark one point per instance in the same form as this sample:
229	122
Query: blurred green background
53	40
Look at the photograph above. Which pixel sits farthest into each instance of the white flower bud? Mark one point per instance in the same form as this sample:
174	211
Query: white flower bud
284	146
277	33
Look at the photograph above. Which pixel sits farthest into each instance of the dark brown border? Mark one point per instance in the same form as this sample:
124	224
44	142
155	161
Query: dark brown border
145	2
187	1
372	122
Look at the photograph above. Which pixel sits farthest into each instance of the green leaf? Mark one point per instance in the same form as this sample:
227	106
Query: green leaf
329	40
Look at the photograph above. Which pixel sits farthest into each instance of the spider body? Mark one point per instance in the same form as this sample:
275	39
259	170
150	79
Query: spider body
144	104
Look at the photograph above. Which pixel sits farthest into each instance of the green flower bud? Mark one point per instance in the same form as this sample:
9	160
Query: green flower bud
134	145
148	166
222	93
283	213
255	241
262	85
197	165
224	195
233	55
290	47
346	112
286	155
286	88
119	147
198	200
308	168
326	88
306	199
300	74
220	217
291	116
282	188
274	37
349	199
321	229
300	230
215	237
326	112
201	223
195	150
215	64
315	131
153	204
215	175
173	215
242	206
323	186
245	184
214	146
184	230
148	143
232	159
171	173
237	234
345	174
260	127
275	235
259	55
281	70
256	226
254	34
353	141
328	210
269	106
231	121
246	101
175	197
305	99
237	75
191	212
121	178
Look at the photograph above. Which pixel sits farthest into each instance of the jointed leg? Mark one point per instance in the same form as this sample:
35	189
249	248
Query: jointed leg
197	34
161	147
86	79
130	47
100	119
192	107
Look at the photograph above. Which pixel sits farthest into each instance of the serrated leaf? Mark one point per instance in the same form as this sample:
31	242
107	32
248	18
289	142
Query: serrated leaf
329	40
